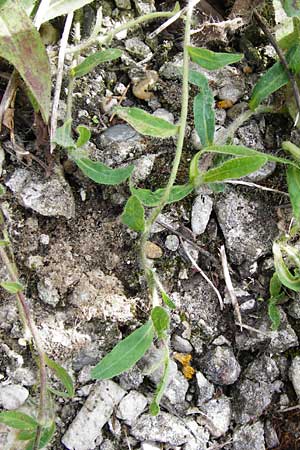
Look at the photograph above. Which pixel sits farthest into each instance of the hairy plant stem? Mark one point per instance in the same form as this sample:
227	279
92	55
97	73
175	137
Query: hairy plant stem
27	320
104	40
179	147
71	85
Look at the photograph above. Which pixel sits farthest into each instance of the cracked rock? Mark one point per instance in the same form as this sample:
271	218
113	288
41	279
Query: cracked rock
294	374
249	437
217	416
41	194
221	366
84	432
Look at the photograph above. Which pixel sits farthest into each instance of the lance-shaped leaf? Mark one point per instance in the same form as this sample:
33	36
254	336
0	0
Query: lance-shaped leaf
58	8
102	174
63	136
93	60
167	301
146	123
21	45
204	115
270	82
152	198
274	313
134	214
13	287
161	321
291	7
293	149
18	420
63	377
212	60
84	136
234	168
285	276
161	387
293	181
46	436
125	354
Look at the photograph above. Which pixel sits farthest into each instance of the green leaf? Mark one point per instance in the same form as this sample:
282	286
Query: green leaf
285	276
161	387
274	314
275	285
234	168
21	45
146	123
4	243
269	82
151	199
204	115
63	136
291	7
58	8
161	321
125	354
25	435
211	60
293	181
293	56
46	437
84	136
102	174
292	149
13	287
93	60
167	301
2	190
134	214
28	5
18	420
63	377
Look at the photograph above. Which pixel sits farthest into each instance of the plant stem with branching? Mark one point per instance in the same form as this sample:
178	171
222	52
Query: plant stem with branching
179	147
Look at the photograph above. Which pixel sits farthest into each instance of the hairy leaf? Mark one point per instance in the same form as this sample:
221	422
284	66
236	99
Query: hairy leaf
63	136
84	136
102	174
285	276
134	214
93	60
293	149
161	321
63	377
269	82
21	45
46	437
204	115
125	354
234	168
274	313
146	123
211	60
167	301
18	420
13	287
152	198
58	8
161	387
275	285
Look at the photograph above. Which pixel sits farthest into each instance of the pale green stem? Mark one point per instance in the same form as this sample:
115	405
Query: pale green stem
103	40
179	148
75	61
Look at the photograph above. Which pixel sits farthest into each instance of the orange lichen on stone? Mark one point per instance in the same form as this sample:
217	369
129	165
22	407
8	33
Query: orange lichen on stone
224	104
185	359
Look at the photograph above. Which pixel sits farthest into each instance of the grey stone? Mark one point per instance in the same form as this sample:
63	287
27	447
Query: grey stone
172	242
162	428
275	341
294	308
271	437
107	445
164	114
200	436
174	395
250	135
150	445
237	110
12	396
137	48
47	196
123	4
201	211
131	407
181	345
247	225
217	416
261	174
294	374
263	368
85	430
48	292
131	379
220	365
152	365
117	143
144	6
205	389
249	437
251	398
143	167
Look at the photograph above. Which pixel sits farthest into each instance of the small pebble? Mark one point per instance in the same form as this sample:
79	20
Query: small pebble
12	396
172	242
153	251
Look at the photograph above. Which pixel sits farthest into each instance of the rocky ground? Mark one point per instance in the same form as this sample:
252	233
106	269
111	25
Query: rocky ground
86	290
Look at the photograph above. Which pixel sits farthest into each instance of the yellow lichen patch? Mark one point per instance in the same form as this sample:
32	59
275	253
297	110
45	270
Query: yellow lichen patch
185	359
224	104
